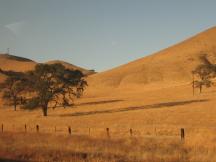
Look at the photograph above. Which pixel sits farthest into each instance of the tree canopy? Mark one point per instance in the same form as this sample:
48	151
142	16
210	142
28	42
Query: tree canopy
204	73
13	87
47	85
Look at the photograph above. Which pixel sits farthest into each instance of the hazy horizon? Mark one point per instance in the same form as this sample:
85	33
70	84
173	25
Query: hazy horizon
98	34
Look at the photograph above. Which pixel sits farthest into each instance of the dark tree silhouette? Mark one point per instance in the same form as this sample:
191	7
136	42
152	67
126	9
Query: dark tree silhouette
204	73
13	87
53	85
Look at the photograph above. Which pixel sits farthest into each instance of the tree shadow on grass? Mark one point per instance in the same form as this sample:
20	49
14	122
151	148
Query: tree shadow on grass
98	102
90	103
10	160
153	106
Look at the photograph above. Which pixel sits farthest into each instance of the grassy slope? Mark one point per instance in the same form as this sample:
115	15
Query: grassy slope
172	107
71	66
172	65
9	62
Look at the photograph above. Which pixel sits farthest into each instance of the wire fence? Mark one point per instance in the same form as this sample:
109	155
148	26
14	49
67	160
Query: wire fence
95	132
159	132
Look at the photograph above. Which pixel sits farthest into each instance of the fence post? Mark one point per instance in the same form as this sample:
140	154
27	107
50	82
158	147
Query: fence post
2	128
69	130
25	128
182	134
131	132
155	131
37	128
108	133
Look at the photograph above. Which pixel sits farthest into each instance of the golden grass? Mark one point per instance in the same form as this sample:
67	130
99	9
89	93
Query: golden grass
155	115
81	148
48	147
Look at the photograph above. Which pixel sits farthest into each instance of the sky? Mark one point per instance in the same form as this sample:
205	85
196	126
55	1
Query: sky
99	34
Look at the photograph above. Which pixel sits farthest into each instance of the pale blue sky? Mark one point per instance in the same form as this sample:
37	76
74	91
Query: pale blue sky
99	34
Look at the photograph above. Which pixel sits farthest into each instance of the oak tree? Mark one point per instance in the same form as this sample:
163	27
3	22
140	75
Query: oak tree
53	85
13	87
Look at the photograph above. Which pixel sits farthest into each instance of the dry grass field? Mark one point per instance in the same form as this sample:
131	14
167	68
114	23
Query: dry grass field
155	115
44	147
47	147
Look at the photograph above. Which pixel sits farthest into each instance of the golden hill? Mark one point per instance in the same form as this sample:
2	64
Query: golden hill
170	66
15	63
72	67
20	64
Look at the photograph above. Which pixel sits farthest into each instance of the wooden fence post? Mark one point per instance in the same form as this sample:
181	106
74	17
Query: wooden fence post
69	130
37	128
182	134
2	128
25	128
155	130
131	132
108	133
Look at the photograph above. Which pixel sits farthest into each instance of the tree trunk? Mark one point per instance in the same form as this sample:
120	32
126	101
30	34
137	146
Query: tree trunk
15	107
44	108
15	103
200	88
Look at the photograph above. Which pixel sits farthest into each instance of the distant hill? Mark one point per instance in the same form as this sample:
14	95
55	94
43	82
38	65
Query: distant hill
16	58
21	64
15	63
72	67
170	66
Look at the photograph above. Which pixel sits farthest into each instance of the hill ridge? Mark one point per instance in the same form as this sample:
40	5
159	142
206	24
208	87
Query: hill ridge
10	62
172	64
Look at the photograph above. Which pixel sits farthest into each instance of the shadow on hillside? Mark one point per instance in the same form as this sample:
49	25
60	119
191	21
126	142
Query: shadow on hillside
98	102
159	105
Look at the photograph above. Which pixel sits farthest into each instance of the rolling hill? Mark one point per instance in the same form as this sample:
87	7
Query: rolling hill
20	64
170	66
15	63
72	67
